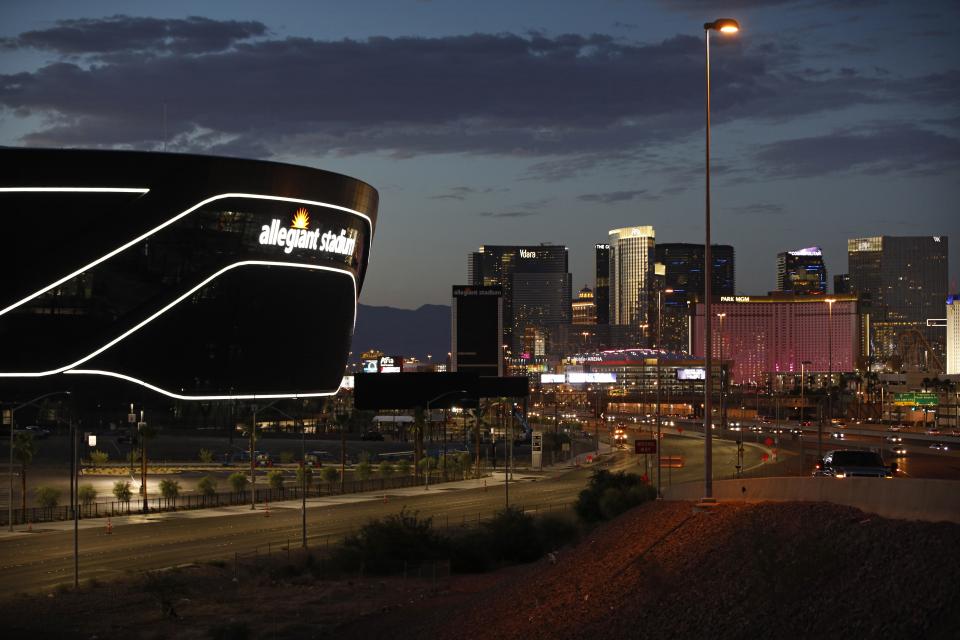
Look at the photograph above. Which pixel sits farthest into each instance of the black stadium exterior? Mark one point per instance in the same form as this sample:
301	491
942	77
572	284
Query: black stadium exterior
197	278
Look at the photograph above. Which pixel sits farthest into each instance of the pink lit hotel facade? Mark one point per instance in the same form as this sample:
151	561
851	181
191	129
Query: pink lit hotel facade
764	335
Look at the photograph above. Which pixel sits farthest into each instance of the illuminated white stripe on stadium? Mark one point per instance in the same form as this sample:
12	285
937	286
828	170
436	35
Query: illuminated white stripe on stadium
252	196
73	190
178	396
181	298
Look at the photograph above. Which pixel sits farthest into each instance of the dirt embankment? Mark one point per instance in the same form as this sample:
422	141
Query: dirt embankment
786	570
744	571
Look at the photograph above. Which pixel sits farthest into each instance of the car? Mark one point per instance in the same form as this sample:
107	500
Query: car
735	427
893	439
846	463
317	458
806	423
933	431
837	435
895	427
940	446
372	436
898	450
38	432
796	432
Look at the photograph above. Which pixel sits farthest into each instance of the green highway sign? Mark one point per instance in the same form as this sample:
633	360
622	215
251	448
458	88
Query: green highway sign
915	398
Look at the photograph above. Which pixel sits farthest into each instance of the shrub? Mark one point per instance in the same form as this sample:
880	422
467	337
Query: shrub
206	456
610	494
238	481
207	486
87	494
470	552
169	489
513	536
427	463
330	474
386	468
557	530
403	467
388	544
286	457
122	491
48	497
364	470
308	480
275	479
99	458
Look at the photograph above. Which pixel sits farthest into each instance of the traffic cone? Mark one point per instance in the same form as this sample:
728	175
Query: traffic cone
109	526
29	526
384	498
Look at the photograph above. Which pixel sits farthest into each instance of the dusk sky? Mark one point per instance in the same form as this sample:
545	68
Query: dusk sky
525	122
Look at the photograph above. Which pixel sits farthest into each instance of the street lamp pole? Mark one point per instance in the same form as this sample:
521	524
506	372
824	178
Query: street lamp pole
13	423
426	465
829	302
723	25
723	415
659	355
803	407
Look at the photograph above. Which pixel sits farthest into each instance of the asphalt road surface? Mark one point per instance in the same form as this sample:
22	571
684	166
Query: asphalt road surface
31	562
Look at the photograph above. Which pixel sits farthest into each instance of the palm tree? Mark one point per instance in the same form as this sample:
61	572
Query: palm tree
24	449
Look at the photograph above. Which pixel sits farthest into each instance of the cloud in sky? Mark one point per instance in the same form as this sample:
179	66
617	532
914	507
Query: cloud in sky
611	197
229	84
122	34
878	150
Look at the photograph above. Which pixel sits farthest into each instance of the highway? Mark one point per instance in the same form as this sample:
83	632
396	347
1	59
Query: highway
39	561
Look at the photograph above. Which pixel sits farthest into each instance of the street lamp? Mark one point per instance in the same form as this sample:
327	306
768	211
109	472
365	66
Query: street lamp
803	407
426	465
829	302
723	420
723	25
13	423
659	355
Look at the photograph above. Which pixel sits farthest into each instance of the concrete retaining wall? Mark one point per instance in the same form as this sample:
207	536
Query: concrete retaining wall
904	498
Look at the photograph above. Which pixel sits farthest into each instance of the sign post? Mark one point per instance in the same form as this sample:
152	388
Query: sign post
536	450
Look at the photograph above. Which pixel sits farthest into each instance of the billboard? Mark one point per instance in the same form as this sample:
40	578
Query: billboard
598	378
477	331
552	378
693	373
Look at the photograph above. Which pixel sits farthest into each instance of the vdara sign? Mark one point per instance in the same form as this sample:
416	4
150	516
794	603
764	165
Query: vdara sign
299	236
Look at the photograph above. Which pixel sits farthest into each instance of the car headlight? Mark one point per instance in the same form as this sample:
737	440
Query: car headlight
840	474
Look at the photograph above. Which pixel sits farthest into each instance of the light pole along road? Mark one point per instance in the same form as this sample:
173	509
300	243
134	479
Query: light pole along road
721	25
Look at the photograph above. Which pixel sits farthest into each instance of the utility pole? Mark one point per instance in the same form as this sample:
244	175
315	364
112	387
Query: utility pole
253	461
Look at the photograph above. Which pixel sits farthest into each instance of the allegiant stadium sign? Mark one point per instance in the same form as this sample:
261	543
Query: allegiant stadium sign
299	236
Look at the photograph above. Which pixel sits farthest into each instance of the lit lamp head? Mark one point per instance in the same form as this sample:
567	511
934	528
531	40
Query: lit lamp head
723	25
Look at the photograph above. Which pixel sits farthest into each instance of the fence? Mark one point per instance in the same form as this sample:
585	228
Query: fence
194	501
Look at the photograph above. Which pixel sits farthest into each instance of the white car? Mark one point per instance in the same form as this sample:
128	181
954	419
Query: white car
838	435
940	446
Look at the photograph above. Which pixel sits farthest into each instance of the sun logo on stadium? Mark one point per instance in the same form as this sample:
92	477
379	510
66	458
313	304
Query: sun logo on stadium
301	219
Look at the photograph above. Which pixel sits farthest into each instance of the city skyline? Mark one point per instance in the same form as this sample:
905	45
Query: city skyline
831	120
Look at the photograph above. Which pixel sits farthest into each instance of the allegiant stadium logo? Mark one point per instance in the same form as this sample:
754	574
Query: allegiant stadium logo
299	236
